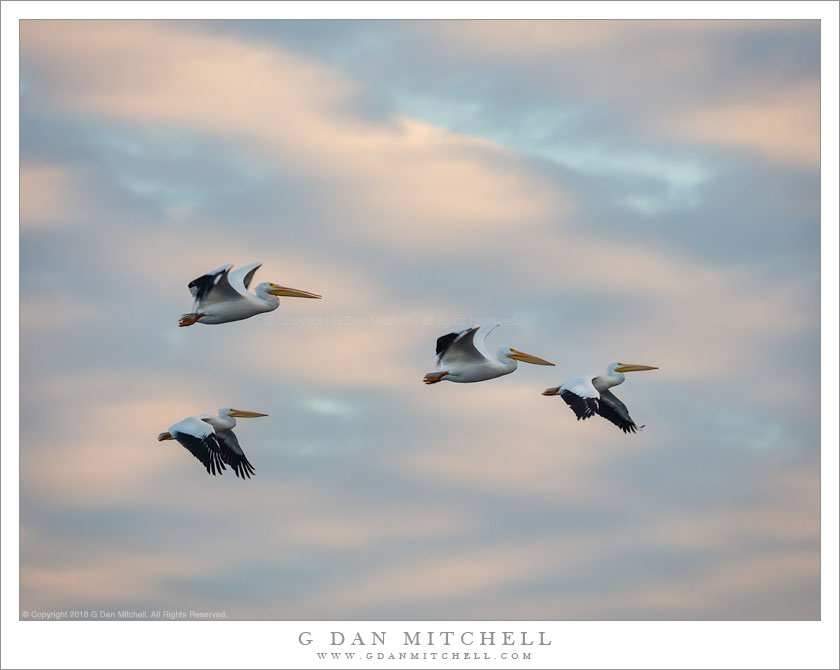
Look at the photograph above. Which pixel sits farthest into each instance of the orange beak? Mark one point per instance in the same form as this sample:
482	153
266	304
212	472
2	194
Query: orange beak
527	358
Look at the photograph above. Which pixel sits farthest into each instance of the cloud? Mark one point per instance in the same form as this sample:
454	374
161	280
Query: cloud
112	578
740	588
404	180
508	410
49	315
699	322
784	127
47	195
538	40
377	496
641	67
107	452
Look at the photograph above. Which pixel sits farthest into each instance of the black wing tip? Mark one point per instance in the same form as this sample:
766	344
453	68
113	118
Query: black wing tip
244	469
444	342
239	463
205	282
587	407
625	425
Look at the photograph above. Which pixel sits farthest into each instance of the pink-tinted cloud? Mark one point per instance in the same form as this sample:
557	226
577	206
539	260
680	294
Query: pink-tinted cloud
110	449
644	64
415	188
108	578
47	195
46	314
507	410
404	180
461	575
449	505
784	126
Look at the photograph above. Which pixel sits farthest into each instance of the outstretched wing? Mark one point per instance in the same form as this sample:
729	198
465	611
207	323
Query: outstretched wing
233	455
214	287
458	347
200	440
240	279
580	394
615	411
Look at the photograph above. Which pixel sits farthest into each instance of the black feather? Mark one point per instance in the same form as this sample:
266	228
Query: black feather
615	411
232	454
246	280
201	287
207	451
444	342
582	407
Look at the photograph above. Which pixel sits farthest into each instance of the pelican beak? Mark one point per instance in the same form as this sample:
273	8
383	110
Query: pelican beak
242	414
291	292
634	368
164	436
552	391
527	358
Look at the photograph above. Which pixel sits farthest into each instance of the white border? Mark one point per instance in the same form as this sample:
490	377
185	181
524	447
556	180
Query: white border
431	9
273	644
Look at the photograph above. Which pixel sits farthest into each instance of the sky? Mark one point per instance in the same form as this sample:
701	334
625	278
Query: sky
644	192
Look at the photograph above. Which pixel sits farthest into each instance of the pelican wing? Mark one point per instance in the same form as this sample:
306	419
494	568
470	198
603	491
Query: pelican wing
233	455
481	344
200	440
240	279
214	287
615	411
458	347
581	395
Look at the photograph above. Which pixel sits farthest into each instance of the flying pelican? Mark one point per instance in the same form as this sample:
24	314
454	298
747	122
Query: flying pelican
210	439
461	360
590	394
222	296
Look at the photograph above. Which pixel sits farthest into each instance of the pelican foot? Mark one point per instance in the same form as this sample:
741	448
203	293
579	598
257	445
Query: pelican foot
189	319
434	377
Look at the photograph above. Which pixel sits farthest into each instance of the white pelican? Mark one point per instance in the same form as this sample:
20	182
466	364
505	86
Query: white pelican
590	394
461	360
210	439
222	296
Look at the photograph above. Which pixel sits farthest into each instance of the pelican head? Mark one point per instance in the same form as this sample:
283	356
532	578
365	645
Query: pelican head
285	291
626	367
517	355
164	436
239	413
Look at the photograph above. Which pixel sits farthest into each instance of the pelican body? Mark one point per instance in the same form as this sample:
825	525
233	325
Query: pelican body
222	296
590	394
461	360
210	438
